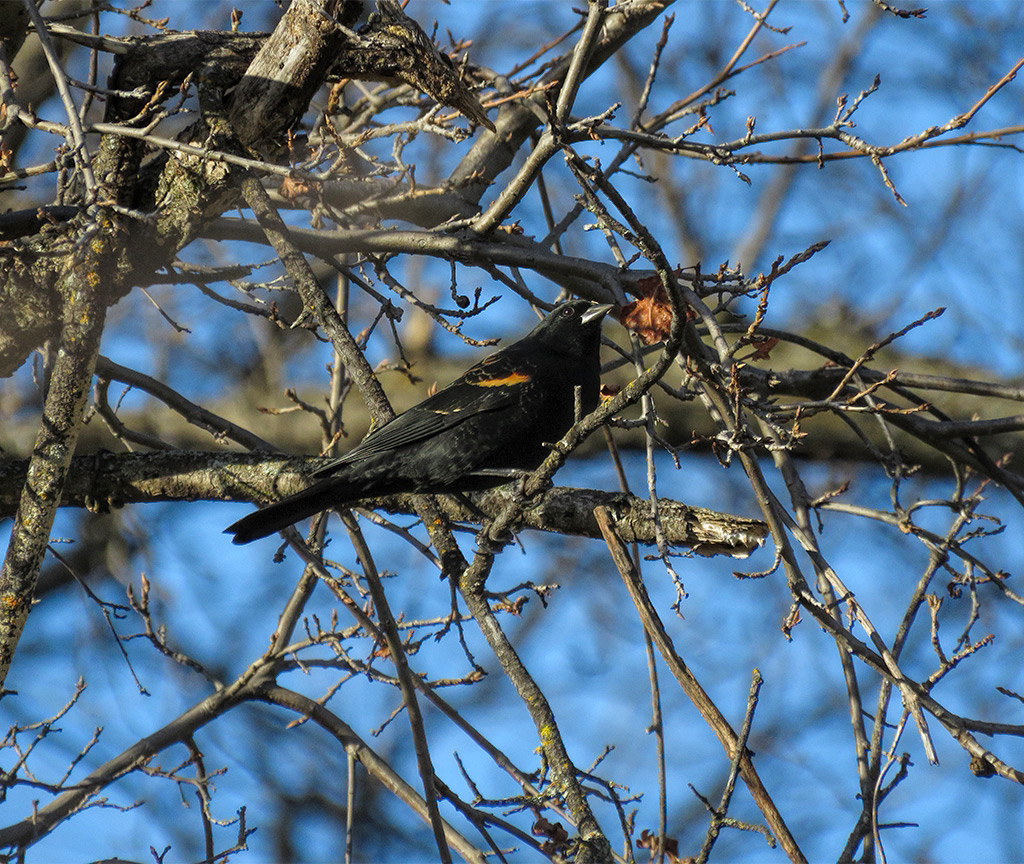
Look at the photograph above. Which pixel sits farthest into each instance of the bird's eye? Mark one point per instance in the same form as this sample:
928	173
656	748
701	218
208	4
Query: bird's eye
568	312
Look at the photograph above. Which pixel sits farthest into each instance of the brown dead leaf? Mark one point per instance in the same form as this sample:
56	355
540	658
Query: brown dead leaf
649	840
763	347
650	315
291	189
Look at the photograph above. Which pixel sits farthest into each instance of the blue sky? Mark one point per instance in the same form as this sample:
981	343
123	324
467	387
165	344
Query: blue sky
957	244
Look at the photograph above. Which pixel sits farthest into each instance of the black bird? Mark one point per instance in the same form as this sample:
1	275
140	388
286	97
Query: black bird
495	420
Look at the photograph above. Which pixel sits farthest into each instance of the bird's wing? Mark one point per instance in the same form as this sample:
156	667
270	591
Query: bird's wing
493	384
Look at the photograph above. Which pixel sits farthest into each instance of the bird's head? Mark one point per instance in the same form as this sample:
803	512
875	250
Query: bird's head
572	327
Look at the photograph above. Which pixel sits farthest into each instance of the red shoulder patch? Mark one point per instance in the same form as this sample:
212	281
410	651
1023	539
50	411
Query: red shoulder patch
504	380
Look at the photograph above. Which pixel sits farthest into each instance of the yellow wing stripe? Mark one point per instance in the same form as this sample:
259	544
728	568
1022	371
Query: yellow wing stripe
508	380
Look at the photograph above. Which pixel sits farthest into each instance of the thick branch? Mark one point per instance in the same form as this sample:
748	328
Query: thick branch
46	472
106	480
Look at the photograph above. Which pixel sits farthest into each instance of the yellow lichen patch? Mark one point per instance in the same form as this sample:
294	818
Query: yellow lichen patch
10	602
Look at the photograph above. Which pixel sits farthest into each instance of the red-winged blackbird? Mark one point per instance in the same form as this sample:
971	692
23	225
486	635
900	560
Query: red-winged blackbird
475	433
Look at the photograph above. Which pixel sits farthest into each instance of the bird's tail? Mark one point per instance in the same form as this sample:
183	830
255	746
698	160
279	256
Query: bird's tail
320	496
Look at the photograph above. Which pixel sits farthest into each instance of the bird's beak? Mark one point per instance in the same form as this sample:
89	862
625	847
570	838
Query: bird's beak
598	310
